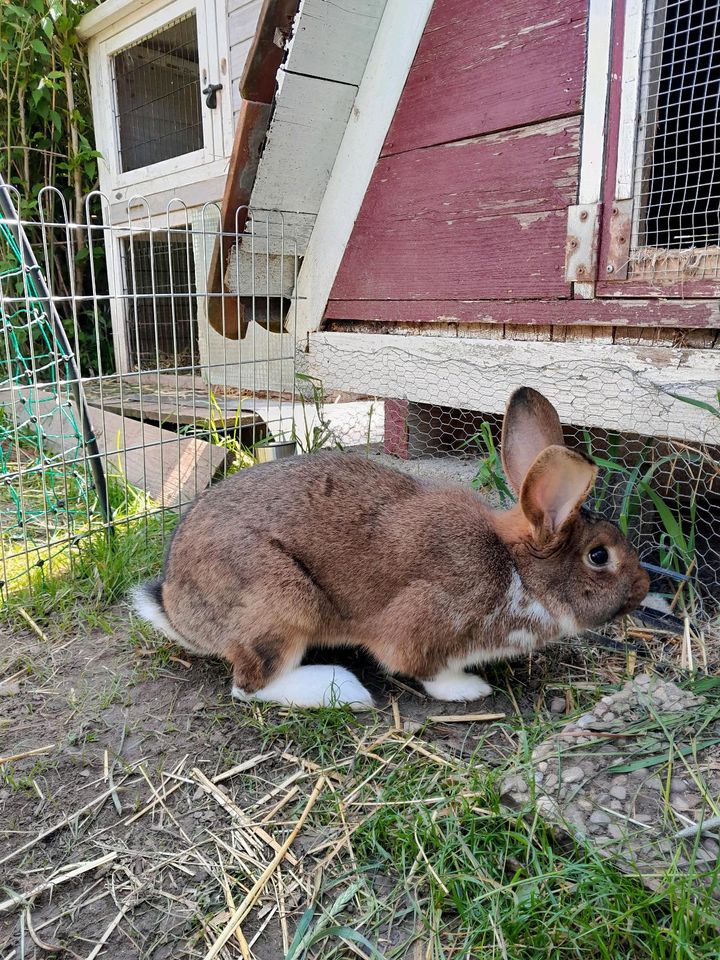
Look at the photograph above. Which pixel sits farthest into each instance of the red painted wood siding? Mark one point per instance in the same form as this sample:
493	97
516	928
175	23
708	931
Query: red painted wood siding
482	218
488	65
455	210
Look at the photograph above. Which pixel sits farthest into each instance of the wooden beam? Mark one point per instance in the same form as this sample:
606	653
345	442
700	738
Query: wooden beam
267	50
226	314
681	314
396	42
612	387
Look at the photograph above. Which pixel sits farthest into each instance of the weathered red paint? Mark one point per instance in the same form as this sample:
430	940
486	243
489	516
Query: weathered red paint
484	65
484	218
395	435
619	312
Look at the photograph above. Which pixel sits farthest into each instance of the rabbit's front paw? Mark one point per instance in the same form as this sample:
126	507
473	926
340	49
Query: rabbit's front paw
456	685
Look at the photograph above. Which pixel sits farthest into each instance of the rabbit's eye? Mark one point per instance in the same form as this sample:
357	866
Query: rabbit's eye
598	556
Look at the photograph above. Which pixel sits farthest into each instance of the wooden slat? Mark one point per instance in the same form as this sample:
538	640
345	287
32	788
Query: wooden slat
480	219
483	66
307	126
646	313
226	314
333	40
623	388
171	470
267	51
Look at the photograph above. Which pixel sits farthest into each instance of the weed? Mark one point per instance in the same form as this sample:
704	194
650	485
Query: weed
490	474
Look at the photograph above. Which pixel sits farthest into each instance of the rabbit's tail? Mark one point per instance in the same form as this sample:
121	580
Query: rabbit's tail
147	601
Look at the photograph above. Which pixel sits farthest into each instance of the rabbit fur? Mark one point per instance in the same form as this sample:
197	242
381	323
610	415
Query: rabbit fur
333	549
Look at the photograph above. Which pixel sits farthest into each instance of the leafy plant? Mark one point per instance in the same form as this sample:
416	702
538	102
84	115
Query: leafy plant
490	474
317	432
46	139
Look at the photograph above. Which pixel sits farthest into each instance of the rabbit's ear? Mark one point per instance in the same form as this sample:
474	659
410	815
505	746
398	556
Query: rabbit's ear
531	424
554	489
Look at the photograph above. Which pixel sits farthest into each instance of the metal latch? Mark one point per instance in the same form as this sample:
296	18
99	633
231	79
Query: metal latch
210	92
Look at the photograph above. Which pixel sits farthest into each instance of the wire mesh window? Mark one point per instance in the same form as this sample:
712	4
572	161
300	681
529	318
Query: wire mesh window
157	88
677	178
161	308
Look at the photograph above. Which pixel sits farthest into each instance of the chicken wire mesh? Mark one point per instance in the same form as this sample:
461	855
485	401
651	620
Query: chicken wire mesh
676	229
658	452
118	401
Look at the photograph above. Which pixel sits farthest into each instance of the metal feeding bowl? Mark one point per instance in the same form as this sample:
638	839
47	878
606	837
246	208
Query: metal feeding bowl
275	450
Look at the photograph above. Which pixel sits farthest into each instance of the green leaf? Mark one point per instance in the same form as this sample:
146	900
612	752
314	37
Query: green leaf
346	933
702	404
659	758
39	47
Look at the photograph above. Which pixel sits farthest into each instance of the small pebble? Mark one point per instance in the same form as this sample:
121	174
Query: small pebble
615	831
619	792
587	720
573	774
679	803
412	726
599	817
557	705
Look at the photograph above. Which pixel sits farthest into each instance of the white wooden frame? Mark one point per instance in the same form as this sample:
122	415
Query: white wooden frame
393	51
108	37
479	374
594	122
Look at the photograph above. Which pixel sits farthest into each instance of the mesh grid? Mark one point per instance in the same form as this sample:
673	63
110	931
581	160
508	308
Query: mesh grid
159	285
157	92
677	190
172	406
192	411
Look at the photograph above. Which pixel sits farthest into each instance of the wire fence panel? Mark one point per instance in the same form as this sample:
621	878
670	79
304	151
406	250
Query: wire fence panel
676	230
118	401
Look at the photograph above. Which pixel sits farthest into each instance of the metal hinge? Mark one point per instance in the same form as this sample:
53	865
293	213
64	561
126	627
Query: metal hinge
581	245
618	256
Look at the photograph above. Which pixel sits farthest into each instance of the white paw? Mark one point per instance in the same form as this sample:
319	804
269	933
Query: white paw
315	685
450	685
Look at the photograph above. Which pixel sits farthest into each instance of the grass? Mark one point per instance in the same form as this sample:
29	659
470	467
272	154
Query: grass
416	858
439	866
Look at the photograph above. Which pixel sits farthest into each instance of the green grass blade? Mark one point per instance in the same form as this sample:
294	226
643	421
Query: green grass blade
659	758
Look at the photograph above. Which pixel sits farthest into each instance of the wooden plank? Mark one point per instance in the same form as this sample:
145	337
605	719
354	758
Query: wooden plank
484	66
647	313
474	374
268	49
170	469
387	68
679	288
517	255
332	40
168	403
302	142
478	219
225	314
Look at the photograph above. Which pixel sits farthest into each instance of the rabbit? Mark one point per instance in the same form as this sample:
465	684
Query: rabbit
331	548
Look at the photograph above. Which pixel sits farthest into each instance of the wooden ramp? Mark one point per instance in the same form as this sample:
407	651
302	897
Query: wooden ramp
170	469
170	401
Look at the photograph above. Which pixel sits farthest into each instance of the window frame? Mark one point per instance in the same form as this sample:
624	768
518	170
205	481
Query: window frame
616	105
213	67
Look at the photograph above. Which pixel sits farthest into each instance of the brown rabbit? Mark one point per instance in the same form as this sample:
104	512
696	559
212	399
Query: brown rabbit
332	549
